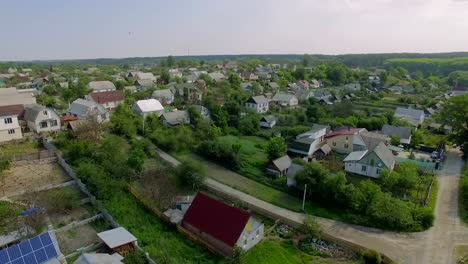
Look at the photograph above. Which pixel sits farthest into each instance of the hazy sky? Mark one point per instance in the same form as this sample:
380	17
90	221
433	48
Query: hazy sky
65	29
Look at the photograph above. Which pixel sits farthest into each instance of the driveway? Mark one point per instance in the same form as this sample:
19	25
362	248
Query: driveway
432	246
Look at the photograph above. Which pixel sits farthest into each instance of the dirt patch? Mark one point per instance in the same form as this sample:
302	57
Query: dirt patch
30	177
77	214
76	238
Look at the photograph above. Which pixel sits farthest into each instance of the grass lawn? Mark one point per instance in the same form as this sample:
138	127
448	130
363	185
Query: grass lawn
27	146
433	194
253	156
277	252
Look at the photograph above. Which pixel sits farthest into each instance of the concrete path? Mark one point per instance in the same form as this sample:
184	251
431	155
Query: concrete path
432	246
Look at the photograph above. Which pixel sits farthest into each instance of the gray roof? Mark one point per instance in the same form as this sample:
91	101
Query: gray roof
274	85
101	85
282	163
268	118
283	97
176	117
356	155
384	153
99	258
144	83
32	111
402	132
116	237
165	93
13	96
409	114
372	139
81	107
217	76
259	99
326	148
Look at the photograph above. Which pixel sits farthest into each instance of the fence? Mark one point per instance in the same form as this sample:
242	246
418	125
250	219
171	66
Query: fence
105	214
38	155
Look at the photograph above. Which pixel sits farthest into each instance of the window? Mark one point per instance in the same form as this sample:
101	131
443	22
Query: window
44	112
11	131
245	242
378	171
53	123
43	124
334	144
346	145
363	168
8	120
372	162
346	137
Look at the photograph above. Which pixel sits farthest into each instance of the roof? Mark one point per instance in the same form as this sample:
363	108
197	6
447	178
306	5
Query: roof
282	163
268	118
176	117
149	105
13	96
385	155
116	237
346	131
213	217
99	258
372	139
12	110
165	93
101	85
259	99
145	76
326	148
283	97
81	107
356	155
39	249
216	76
402	132
274	85
75	124
411	115
31	112
144	83
106	97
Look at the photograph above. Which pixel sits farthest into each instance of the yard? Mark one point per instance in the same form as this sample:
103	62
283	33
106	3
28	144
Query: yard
30	177
76	238
25	147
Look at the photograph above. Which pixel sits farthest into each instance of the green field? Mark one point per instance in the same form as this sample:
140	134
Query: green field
28	146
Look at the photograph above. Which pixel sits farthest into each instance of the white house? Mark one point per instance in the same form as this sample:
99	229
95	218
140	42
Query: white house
165	96
257	103
149	106
81	109
285	99
309	142
109	99
10	128
41	119
370	162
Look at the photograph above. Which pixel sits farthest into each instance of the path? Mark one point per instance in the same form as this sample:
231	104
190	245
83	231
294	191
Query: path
432	246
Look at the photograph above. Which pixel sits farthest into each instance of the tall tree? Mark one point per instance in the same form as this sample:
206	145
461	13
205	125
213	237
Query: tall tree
455	114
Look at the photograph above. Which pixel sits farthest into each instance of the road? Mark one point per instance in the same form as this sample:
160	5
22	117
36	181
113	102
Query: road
432	246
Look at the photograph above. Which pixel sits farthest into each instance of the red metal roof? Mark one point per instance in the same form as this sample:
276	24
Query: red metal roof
106	97
8	110
346	131
216	218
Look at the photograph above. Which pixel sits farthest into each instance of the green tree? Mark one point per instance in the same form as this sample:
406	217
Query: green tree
455	114
395	140
401	181
192	174
276	148
306	60
249	124
234	80
314	175
417	137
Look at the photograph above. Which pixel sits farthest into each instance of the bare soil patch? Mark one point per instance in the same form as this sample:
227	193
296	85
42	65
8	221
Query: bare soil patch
76	238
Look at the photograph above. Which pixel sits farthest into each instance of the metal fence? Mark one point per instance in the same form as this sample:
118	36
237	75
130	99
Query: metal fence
38	155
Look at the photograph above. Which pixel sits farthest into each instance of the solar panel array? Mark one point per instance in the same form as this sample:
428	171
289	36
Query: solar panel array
36	250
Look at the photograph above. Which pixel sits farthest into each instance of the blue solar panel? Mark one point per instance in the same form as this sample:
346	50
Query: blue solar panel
14	252
25	247
4	257
36	243
45	238
50	251
18	261
30	259
40	255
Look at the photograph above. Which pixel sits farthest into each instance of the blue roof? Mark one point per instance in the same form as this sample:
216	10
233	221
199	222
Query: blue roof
36	250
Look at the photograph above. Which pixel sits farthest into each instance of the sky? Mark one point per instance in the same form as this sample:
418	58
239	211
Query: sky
79	29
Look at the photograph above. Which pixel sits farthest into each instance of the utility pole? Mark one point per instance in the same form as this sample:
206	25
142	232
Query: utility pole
303	199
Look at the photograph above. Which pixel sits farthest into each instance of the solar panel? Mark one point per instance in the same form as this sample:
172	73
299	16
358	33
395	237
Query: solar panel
36	250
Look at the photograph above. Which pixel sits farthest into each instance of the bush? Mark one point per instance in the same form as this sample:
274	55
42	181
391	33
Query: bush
135	257
222	153
371	256
192	174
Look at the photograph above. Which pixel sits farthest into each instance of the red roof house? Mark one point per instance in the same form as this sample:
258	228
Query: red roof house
108	99
220	225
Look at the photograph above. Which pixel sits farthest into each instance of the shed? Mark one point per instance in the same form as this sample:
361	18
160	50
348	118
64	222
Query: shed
118	239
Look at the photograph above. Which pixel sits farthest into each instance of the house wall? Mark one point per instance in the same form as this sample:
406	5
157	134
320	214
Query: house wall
259	108
6	136
338	143
250	237
50	117
371	165
222	247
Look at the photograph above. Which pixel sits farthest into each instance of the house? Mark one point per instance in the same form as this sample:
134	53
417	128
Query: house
131	89
101	86
370	162
303	84
346	140
322	152
258	103
459	90
304	95
314	84
253	88
279	167
291	174
149	106
413	116
274	86
263	75
372	79
10	128
144	84
436	127
248	76
165	96
145	76
371	139
13	96
109	99
352	87
81	109
322	95
175	73
404	133
307	143
285	99
118	240
41	119
174	118
99	258
221	226
189	92
268	121
217	76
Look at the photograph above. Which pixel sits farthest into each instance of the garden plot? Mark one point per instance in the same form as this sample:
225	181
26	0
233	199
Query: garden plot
31	177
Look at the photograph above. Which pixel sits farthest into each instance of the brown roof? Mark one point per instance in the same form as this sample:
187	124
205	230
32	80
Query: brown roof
106	97
7	110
